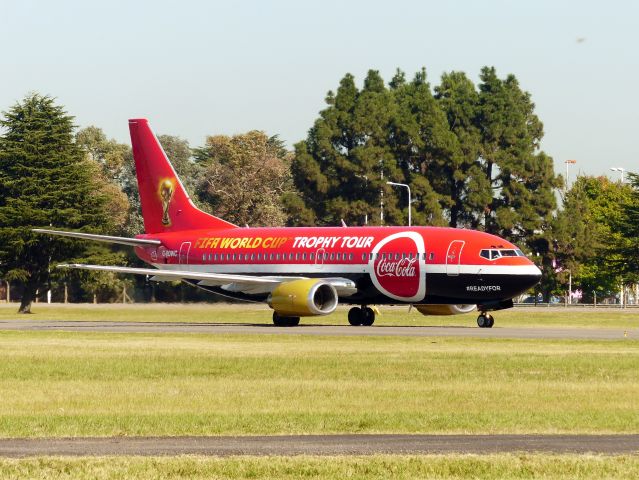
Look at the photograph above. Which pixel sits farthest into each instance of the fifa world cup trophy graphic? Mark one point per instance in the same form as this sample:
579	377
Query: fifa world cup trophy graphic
166	194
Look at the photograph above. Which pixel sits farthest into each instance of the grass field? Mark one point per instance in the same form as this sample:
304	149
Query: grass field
504	467
258	313
98	384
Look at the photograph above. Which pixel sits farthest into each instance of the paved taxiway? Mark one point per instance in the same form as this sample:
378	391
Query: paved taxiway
321	445
405	331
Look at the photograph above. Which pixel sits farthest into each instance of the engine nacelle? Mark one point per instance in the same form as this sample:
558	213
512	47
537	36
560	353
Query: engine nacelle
444	309
303	298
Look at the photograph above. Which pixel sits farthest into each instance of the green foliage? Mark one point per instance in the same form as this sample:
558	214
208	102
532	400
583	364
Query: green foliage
587	234
246	179
471	155
45	180
625	251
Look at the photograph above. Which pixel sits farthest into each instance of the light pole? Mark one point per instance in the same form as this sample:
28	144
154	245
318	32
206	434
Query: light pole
365	177
410	202
620	170
568	162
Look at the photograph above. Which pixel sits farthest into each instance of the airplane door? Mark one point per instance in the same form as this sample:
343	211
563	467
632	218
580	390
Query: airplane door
453	257
319	258
184	253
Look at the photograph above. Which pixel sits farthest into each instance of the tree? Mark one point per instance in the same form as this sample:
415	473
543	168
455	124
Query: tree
624	252
246	178
468	187
362	139
521	176
471	156
587	232
45	180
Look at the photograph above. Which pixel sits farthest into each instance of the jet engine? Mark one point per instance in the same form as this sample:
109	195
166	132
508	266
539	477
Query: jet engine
303	298
444	309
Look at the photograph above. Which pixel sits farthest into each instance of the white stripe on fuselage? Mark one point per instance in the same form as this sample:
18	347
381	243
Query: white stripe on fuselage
353	268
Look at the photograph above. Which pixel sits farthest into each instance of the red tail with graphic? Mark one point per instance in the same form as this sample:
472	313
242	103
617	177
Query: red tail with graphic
166	207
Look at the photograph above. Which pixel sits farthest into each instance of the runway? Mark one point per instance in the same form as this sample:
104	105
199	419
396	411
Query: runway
322	445
330	330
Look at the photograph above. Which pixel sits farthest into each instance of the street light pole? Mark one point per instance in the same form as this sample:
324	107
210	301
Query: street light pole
620	170
568	162
410	202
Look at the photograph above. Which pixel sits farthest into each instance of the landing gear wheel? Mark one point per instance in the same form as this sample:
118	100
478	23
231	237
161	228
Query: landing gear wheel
280	321
485	320
368	317
355	316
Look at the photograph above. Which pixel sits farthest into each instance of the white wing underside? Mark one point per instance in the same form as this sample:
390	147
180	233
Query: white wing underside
229	282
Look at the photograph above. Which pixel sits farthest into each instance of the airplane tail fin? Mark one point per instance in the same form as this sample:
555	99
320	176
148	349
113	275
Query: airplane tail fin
166	206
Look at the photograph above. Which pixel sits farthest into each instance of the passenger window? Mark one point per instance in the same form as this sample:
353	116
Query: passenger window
270	256
304	256
364	256
215	257
432	256
277	256
350	256
312	256
332	256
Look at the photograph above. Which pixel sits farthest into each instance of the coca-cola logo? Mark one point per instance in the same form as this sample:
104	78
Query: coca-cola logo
396	267
404	267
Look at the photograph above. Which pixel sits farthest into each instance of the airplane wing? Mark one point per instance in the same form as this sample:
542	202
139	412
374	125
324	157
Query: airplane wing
230	282
135	242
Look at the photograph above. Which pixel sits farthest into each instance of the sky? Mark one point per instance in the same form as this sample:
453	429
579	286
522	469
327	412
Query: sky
198	68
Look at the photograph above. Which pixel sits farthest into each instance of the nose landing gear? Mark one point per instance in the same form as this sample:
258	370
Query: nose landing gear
485	320
361	316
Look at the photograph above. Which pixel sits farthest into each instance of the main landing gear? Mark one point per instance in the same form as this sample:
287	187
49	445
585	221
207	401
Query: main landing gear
485	320
280	321
361	316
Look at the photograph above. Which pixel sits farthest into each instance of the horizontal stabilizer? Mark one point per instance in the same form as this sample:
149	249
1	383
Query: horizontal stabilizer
135	242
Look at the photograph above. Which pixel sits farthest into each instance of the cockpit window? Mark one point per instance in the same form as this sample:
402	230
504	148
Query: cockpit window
495	253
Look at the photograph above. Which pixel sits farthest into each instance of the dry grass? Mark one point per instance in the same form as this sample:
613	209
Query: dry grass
504	467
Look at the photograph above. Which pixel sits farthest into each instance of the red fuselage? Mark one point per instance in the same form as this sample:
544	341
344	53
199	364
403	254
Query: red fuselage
389	265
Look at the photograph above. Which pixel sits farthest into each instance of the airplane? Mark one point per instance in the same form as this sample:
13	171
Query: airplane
308	271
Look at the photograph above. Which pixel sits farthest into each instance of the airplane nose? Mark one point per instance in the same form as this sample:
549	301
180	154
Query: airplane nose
528	277
533	276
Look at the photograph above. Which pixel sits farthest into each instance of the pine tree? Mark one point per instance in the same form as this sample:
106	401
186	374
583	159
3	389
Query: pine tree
469	190
520	174
45	180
